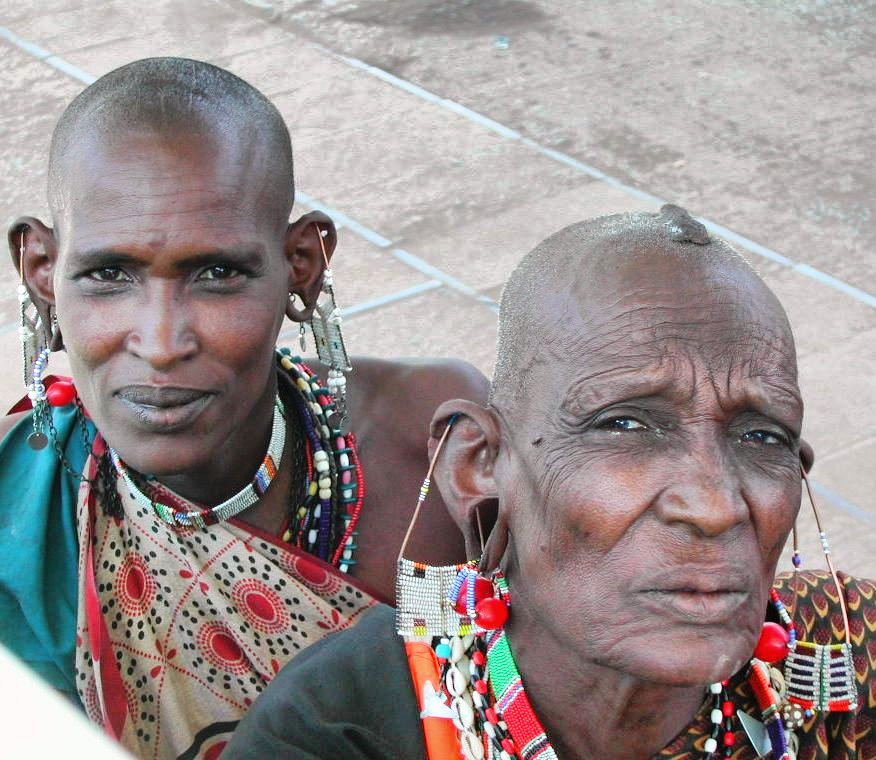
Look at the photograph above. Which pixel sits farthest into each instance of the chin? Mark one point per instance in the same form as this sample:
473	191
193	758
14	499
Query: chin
163	455
690	658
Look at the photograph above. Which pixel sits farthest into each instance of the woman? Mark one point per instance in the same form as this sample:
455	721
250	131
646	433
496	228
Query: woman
190	512
637	471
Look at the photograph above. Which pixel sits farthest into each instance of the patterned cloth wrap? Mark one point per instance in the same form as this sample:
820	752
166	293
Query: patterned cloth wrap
179	630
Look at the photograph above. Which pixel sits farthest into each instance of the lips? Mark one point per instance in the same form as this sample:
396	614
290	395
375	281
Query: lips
164	408
703	595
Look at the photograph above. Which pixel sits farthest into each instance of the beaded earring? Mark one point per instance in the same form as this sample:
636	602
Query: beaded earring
326	325
816	676
820	676
449	601
30	330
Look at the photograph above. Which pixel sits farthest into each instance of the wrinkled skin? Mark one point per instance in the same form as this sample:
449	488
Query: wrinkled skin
644	494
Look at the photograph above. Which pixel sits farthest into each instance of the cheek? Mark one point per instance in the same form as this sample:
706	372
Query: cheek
240	332
774	504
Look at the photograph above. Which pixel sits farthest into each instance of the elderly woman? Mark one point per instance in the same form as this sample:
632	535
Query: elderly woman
174	523
635	477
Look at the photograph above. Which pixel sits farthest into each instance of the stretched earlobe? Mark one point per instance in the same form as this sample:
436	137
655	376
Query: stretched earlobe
464	471
34	253
807	456
310	244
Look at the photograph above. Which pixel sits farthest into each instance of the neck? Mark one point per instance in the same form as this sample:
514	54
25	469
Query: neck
620	720
230	468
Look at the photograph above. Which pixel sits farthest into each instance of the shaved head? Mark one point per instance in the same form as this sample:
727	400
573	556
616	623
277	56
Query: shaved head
571	268
175	99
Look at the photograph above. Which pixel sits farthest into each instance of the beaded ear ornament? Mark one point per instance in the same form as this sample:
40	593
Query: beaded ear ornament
454	600
443	613
817	676
326	325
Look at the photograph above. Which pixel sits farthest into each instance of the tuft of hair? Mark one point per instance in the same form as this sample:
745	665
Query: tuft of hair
561	260
173	96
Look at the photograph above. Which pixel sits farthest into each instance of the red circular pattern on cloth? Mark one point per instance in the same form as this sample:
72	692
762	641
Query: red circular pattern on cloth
91	703
221	650
313	576
135	587
260	605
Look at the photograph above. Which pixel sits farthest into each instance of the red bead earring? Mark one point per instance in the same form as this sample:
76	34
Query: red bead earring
477	597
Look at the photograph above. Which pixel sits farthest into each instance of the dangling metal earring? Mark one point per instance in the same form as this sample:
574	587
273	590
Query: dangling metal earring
302	337
326	326
36	392
30	330
822	676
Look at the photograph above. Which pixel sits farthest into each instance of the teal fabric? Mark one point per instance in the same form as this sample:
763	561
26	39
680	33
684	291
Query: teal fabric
38	549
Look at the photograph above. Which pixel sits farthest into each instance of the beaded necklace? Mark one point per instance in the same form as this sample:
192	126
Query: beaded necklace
323	522
176	512
509	727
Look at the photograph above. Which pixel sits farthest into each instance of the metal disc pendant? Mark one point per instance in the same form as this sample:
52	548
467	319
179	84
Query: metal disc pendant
37	440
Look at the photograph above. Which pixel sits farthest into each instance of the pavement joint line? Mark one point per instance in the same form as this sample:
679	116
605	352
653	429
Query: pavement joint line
363	307
574	163
426	268
843	504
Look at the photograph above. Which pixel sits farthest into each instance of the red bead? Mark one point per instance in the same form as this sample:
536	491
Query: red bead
509	746
727	708
481	686
478	659
60	393
773	643
483	590
491	715
491	613
729	739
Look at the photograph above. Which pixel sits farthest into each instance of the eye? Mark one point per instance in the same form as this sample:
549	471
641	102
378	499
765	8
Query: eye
766	437
218	272
621	424
109	274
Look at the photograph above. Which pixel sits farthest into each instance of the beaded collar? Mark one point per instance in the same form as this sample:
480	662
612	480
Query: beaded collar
510	729
177	511
324	522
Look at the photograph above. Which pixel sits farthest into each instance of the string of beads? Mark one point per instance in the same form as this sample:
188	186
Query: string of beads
324	522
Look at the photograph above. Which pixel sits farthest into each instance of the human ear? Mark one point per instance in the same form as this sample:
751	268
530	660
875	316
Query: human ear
34	254
310	243
807	456
464	473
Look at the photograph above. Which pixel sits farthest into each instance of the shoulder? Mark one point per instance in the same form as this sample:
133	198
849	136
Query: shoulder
349	695
434	379
407	392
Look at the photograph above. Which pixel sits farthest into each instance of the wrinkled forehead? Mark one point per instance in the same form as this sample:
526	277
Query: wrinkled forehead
668	316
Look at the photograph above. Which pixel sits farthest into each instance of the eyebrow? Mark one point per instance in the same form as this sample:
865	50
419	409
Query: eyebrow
103	258
591	392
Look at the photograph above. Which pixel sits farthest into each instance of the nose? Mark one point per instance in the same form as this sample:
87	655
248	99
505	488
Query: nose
705	493
163	333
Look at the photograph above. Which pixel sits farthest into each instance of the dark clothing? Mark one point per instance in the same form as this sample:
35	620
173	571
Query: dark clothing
348	696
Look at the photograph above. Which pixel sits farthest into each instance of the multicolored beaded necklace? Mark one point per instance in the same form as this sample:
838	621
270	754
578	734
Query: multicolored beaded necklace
510	729
324	521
